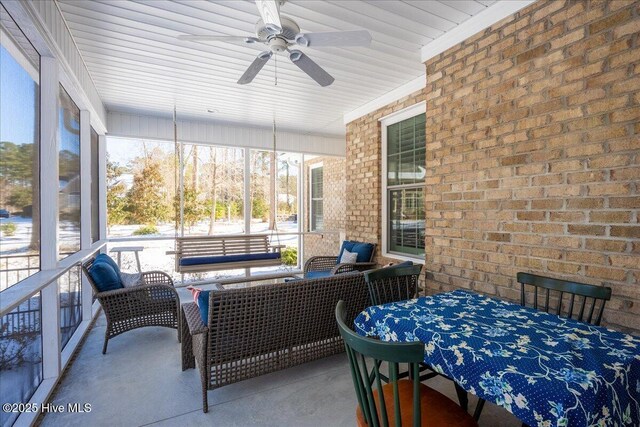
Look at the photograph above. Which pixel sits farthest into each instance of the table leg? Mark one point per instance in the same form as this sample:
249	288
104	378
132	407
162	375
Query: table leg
138	262
462	397
120	259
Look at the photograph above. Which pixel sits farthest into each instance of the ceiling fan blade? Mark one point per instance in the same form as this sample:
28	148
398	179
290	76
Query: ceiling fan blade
270	13
312	69
228	39
255	67
337	38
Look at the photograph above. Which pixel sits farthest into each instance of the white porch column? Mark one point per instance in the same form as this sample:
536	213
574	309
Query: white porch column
85	205
301	211
49	189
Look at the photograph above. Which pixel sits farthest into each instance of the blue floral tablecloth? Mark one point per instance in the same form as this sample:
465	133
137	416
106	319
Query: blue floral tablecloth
546	370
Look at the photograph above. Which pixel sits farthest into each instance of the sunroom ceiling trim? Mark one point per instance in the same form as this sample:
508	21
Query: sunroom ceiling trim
138	126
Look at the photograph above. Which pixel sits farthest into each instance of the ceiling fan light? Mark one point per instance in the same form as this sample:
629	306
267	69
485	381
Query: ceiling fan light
302	40
295	55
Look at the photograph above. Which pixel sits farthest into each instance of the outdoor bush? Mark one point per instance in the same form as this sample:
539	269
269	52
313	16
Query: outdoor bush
145	230
8	229
290	256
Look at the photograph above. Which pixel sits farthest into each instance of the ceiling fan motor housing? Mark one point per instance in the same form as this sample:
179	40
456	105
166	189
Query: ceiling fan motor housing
289	29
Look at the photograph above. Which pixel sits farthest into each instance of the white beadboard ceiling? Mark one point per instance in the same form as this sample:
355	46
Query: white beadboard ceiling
138	65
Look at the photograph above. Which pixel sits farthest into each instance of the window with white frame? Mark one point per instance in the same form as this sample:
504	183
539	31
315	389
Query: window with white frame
404	170
316	183
19	155
68	174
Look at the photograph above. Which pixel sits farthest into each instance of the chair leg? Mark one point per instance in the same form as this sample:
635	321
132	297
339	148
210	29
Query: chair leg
205	401
478	411
107	333
463	398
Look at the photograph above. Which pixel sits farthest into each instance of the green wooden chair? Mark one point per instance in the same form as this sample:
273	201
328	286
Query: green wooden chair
400	283
402	402
395	283
593	297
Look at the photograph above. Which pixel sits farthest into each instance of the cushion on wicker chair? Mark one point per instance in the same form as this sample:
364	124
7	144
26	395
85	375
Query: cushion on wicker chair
348	257
106	258
317	274
203	305
105	277
364	250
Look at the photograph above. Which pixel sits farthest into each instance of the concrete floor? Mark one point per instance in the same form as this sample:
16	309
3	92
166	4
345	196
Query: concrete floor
139	383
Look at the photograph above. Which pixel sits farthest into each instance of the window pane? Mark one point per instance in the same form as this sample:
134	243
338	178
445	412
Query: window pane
213	176
317	215
393	139
20	355
141	188
288	172
95	196
406	163
19	155
262	191
407	221
317	201
69	175
70	291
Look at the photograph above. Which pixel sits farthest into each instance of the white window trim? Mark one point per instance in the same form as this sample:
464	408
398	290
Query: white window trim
391	119
311	168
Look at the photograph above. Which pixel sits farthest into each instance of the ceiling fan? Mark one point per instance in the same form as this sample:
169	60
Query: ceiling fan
280	33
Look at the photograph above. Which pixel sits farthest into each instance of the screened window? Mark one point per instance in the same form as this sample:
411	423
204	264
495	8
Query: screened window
317	214
68	175
406	170
19	155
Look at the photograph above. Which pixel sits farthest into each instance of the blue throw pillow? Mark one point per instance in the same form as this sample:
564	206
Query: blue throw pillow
364	250
105	277
106	258
203	305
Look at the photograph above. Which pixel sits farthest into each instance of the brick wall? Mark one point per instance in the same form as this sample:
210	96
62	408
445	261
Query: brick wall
333	205
533	153
364	181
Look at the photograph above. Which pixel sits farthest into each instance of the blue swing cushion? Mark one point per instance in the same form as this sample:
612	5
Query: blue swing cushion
200	260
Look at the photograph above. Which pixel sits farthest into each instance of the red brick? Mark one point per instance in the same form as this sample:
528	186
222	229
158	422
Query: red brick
610	21
605	245
585	203
590	230
609	217
625	231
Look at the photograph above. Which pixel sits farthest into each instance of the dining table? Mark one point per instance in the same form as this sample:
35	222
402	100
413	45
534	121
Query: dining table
545	369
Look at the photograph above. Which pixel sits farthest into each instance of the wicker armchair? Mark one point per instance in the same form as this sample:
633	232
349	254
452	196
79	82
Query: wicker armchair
153	303
330	264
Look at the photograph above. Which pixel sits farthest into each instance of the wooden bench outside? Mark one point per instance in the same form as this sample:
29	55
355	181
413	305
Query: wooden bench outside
196	254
